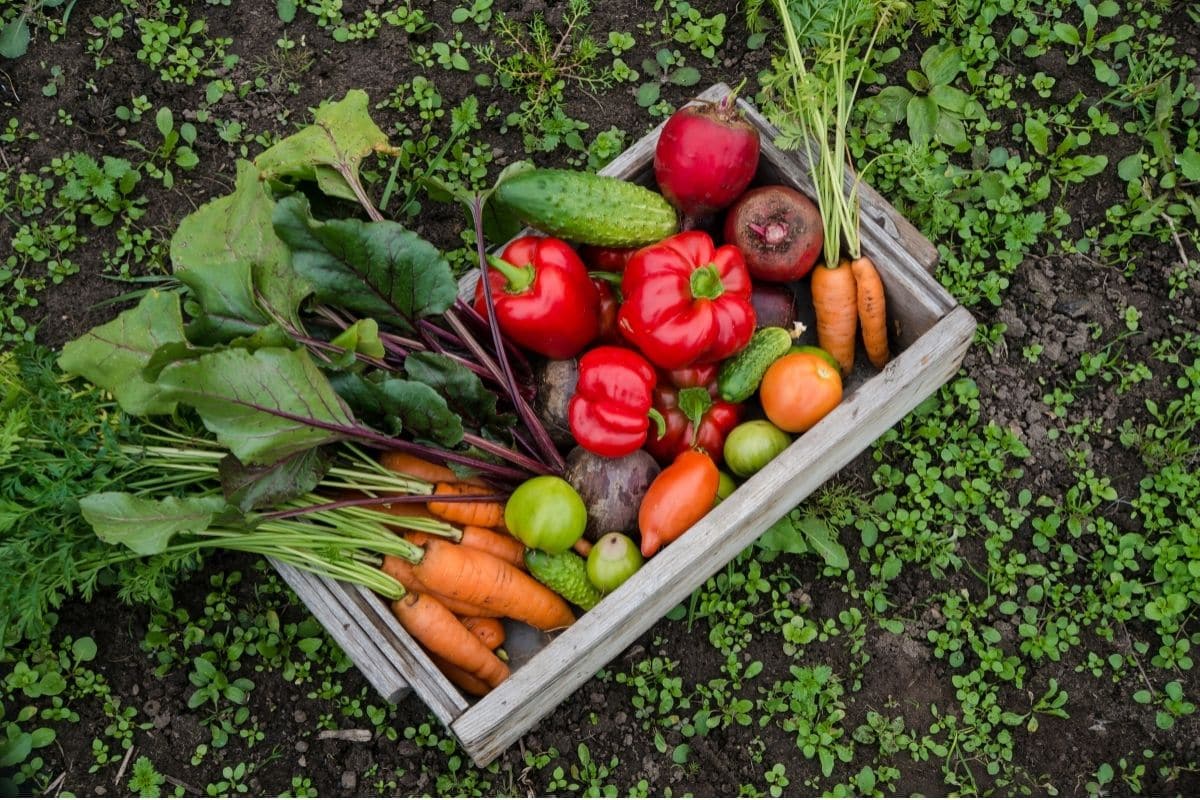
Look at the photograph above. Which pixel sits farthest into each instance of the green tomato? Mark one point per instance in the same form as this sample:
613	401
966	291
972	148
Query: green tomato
749	446
546	513
726	486
612	560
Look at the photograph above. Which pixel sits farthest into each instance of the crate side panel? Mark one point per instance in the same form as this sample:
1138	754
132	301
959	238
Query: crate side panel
328	601
514	707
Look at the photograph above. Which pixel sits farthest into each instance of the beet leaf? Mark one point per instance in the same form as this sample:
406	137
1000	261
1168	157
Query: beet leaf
376	269
114	354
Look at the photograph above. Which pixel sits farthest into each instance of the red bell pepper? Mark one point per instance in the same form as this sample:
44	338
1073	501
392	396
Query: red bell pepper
687	301
545	300
682	396
611	410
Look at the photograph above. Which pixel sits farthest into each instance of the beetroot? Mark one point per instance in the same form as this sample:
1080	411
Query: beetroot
774	305
779	232
705	158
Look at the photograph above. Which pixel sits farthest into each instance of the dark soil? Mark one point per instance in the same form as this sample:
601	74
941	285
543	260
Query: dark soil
1051	301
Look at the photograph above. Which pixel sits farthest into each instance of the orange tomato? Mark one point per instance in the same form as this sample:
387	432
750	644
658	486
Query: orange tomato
678	497
798	390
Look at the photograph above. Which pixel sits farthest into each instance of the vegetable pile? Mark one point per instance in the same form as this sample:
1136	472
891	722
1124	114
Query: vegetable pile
516	450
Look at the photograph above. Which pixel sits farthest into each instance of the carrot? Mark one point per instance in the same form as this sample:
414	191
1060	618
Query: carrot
481	579
582	546
489	630
436	628
403	571
501	545
460	677
421	469
872	310
835	300
415	467
482	514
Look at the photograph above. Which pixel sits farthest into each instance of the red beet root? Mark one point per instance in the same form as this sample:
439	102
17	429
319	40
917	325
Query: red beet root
779	232
705	158
774	306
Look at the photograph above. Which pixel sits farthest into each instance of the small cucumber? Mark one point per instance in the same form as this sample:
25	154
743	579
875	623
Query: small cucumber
565	573
588	208
740	376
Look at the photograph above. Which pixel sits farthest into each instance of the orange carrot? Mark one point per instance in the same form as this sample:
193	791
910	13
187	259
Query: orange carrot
481	579
422	470
403	571
501	545
872	310
415	467
835	300
582	546
460	677
481	514
489	630
437	629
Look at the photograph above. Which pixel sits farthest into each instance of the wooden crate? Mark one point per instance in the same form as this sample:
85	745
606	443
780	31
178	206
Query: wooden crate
932	332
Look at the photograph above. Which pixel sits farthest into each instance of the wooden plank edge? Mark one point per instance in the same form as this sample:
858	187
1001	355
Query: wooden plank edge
327	600
434	689
513	708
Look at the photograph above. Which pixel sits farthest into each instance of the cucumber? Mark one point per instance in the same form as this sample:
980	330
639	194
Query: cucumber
587	208
565	573
740	376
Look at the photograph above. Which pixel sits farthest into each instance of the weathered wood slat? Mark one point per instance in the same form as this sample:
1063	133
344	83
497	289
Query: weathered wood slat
329	601
500	718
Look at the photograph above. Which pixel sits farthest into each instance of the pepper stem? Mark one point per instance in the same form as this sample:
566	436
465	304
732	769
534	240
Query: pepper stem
660	422
706	282
518	278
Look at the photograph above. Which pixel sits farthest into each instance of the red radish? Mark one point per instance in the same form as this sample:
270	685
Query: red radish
779	232
706	157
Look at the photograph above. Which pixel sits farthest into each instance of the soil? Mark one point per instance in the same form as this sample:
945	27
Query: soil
1051	301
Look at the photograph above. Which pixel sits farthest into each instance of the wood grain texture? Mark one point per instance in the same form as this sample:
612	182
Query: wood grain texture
500	718
329	602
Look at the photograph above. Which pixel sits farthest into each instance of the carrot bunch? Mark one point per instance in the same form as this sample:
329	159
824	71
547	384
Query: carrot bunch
458	587
844	297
